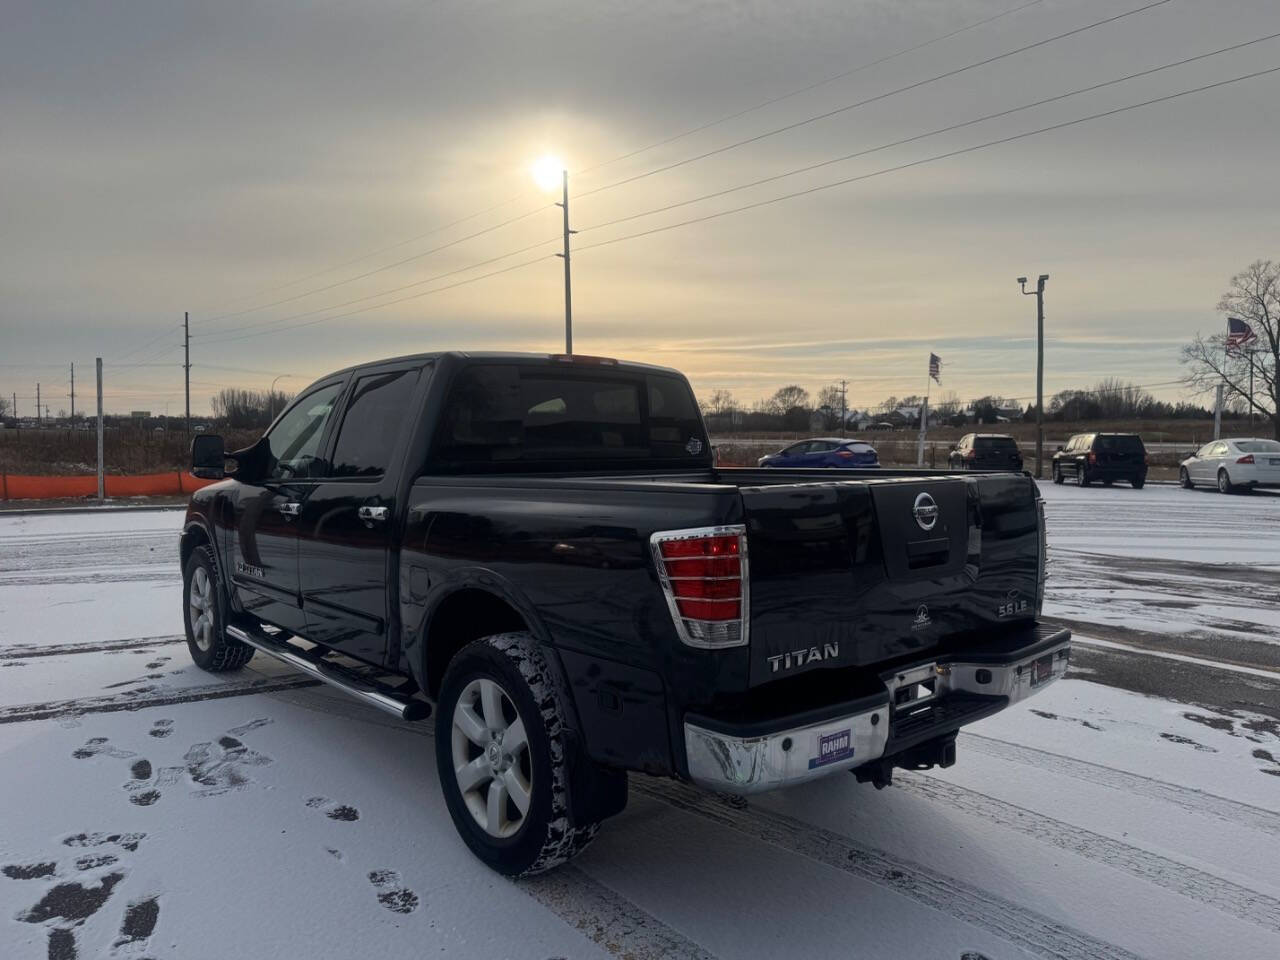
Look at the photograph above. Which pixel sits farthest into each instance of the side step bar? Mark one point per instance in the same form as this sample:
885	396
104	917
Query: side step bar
348	681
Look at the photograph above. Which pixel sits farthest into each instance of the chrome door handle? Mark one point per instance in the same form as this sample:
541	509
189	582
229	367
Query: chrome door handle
370	514
290	509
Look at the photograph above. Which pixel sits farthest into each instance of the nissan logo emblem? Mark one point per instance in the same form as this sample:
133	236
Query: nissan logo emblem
925	511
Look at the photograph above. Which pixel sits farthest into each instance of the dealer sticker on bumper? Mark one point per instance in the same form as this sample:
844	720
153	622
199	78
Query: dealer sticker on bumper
832	748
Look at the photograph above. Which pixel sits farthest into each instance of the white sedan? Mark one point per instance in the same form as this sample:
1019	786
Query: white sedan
1233	464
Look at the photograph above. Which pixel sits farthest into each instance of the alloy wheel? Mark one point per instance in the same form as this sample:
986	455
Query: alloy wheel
200	608
491	758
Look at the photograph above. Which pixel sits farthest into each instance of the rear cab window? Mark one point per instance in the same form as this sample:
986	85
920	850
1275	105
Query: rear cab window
996	444
522	417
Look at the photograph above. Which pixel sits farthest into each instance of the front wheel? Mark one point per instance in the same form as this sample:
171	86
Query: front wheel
1224	482
503	760
1082	477
210	647
1184	479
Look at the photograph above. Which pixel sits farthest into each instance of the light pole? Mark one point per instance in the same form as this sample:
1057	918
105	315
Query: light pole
548	172
1039	295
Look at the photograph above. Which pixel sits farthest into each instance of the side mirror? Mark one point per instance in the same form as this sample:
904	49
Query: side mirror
954	448
208	456
1060	449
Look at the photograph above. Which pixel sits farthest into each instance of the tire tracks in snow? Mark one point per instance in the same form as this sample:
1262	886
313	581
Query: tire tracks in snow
1187	881
609	919
1021	926
113	703
27	651
1188	798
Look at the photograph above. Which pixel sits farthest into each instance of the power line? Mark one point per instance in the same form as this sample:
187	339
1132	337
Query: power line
916	163
389	266
805	89
219	335
878	97
379	306
932	133
712	123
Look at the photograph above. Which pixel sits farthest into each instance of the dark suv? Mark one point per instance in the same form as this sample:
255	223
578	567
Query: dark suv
986	451
1102	456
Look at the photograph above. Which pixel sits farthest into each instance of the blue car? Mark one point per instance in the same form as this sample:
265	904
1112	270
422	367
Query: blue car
824	452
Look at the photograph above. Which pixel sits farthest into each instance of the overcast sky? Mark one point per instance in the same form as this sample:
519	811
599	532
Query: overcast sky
166	156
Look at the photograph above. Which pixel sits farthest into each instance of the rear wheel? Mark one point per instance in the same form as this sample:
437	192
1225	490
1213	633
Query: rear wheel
1184	479
1137	482
503	760
202	615
1224	482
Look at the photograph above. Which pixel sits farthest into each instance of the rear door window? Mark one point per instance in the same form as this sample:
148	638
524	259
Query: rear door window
380	403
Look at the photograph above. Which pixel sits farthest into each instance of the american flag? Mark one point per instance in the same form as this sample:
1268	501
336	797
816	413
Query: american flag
1239	333
935	366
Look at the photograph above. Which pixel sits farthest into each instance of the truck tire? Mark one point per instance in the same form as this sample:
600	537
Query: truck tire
498	690
1082	476
202	615
1137	482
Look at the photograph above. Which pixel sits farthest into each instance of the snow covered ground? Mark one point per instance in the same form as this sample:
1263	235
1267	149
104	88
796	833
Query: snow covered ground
151	810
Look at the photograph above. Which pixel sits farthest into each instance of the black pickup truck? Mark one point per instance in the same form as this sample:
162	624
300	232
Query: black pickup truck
541	550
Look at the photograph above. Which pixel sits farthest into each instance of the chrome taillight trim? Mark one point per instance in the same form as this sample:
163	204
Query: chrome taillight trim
682	624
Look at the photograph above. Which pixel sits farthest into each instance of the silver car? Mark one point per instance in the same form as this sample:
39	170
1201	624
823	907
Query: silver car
1243	463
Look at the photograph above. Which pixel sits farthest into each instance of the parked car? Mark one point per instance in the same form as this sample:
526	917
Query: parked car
539	551
823	452
985	451
1106	457
1240	464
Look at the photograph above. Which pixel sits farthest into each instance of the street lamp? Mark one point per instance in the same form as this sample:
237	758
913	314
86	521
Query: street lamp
1039	295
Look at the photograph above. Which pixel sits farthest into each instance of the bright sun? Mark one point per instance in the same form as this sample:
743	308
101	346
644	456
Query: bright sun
547	172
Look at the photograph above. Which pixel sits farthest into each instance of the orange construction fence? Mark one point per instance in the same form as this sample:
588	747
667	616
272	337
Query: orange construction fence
174	483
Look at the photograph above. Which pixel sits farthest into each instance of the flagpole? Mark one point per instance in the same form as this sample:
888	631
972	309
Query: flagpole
924	414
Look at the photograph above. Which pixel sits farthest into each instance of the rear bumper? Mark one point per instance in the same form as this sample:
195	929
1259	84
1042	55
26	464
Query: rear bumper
742	759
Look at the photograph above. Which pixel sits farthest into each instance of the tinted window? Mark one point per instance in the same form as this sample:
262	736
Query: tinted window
379	406
1258	446
520	414
1001	444
1120	444
295	440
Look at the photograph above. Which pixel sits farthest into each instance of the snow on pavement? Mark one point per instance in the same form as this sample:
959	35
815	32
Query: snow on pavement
153	810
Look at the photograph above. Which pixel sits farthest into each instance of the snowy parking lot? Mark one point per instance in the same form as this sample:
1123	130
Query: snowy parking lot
1132	810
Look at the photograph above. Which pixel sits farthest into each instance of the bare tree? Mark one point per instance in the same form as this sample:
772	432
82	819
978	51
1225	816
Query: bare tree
4	407
719	403
1254	296
788	398
947	405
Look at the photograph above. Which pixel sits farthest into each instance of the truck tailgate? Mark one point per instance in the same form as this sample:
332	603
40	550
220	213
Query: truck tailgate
852	573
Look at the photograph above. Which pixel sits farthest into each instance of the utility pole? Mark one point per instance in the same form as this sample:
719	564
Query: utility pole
568	296
101	488
73	396
39	420
844	404
186	364
1039	294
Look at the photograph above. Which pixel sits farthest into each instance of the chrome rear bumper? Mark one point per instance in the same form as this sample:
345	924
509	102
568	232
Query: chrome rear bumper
722	760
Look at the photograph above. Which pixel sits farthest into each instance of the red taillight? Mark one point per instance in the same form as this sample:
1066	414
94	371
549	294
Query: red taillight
1247	458
1093	457
1146	461
704	577
582	358
844	454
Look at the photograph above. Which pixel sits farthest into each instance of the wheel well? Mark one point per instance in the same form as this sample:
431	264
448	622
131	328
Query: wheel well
462	617
192	537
